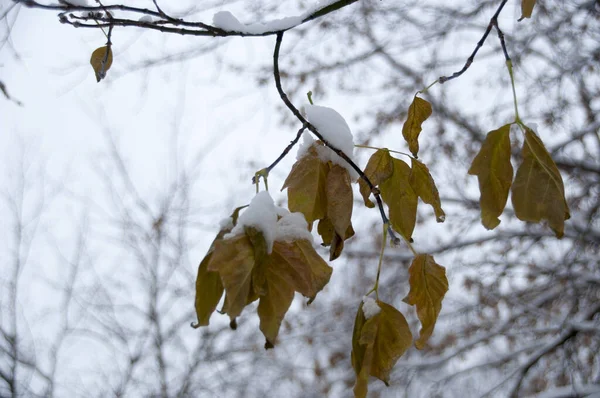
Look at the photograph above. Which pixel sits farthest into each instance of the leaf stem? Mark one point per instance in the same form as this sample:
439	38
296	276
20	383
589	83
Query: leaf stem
383	244
387	149
423	91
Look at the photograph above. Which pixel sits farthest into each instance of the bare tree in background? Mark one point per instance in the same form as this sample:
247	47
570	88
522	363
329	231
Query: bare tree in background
522	317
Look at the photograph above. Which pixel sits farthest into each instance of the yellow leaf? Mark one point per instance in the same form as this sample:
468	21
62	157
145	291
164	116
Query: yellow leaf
306	187
273	305
428	285
401	199
379	168
209	288
526	8
494	173
377	344
424	186
101	61
233	259
332	239
538	192
418	112
339	198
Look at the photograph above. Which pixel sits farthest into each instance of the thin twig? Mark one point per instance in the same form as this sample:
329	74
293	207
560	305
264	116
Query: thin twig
265	172
493	20
313	130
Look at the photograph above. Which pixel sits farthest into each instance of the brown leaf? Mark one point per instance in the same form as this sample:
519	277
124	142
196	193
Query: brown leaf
494	173
379	168
377	344
526	8
401	199
339	198
424	186
418	112
306	187
538	192
101	61
428	286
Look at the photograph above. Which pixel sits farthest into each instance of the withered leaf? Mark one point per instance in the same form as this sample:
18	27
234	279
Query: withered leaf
379	168
401	199
418	112
377	344
428	286
494	173
424	186
527	8
306	187
101	61
339	198
538	192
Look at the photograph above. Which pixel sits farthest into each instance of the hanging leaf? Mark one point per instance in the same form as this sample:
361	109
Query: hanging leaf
526	8
401	199
424	186
538	192
377	344
494	173
379	168
339	198
101	61
331	239
418	112
428	286
306	187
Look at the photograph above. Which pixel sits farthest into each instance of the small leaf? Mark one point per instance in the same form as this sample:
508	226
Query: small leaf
424	186
494	173
377	344
401	199
418	112
101	61
526	8
428	286
306	187
379	168
538	192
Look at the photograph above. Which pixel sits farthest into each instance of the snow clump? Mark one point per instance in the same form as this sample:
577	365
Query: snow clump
370	307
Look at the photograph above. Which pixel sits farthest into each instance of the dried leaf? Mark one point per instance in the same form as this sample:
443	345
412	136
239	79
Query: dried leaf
101	61
401	199
418	112
526	8
494	173
306	187
538	192
424	186
379	168
428	285
377	344
339	198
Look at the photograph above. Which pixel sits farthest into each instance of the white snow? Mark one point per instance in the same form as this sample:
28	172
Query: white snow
83	3
146	19
370	307
262	215
291	227
226	223
335	130
227	21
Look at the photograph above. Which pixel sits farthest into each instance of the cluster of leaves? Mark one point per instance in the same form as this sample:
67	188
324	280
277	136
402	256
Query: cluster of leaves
538	192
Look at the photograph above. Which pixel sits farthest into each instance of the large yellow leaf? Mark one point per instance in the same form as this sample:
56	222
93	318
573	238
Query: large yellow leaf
401	199
428	285
377	344
538	192
424	186
494	173
379	168
527	8
306	187
418	112
233	259
101	60
209	288
274	304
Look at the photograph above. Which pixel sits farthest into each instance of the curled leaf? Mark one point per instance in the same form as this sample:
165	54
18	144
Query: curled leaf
418	112
401	199
428	286
101	61
424	186
379	168
494	173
